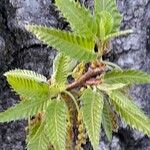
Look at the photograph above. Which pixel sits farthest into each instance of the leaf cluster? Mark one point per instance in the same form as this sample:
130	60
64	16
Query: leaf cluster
97	95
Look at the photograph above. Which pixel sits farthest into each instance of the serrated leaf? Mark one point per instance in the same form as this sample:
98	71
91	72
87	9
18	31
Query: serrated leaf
23	110
119	33
125	102
106	121
60	69
56	115
108	21
129	112
109	87
97	7
111	7
55	89
28	83
40	140
101	28
33	130
80	18
127	77
105	24
77	47
92	114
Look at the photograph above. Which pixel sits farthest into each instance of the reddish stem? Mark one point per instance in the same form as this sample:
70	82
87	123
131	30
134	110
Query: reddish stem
87	76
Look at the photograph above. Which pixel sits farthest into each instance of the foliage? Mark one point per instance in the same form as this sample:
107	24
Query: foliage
127	77
80	18
27	83
106	120
92	114
37	139
108	10
58	110
60	69
56	124
23	110
130	113
75	46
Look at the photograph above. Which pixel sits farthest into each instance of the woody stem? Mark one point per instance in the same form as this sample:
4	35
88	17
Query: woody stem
85	77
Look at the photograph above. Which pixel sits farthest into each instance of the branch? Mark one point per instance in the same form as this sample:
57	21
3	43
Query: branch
88	75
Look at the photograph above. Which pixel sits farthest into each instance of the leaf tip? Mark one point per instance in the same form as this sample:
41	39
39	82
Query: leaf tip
29	27
130	31
6	74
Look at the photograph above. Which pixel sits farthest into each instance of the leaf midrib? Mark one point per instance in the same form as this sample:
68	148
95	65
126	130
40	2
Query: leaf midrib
25	74
78	45
28	107
121	76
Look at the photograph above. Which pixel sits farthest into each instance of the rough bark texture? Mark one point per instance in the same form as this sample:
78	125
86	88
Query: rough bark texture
18	49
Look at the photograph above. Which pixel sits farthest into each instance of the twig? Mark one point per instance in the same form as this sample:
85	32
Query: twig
88	75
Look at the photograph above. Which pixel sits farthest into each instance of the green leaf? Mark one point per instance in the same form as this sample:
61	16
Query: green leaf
77	47
92	114
126	77
55	89
97	7
105	24
106	121
108	21
60	69
110	87
23	110
111	7
80	18
28	83
37	139
56	115
119	33
101	29
130	113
